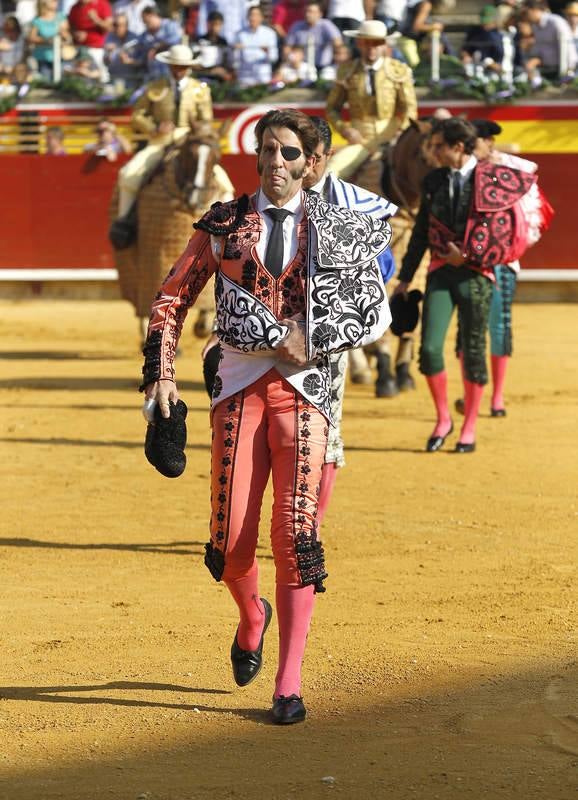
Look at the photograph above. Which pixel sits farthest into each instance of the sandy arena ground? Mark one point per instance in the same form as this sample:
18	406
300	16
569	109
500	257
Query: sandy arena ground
442	660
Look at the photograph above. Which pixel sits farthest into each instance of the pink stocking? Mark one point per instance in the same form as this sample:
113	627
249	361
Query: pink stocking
438	386
473	397
245	591
328	476
499	367
294	610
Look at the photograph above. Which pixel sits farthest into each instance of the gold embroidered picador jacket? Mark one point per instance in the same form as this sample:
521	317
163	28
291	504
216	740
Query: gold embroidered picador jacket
157	104
394	95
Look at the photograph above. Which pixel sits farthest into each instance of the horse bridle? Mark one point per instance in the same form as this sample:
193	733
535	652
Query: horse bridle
188	188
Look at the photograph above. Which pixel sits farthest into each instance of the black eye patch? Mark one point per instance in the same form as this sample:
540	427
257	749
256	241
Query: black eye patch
290	153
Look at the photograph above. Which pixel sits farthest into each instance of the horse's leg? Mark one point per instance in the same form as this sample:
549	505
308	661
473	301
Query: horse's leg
358	367
385	385
205	306
402	226
203	326
143	325
135	173
347	160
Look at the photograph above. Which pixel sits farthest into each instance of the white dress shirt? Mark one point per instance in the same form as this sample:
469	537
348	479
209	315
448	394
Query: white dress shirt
290	240
371	68
464	172
237	369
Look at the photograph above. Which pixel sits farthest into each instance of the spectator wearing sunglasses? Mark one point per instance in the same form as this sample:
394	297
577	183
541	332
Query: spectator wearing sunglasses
109	142
120	52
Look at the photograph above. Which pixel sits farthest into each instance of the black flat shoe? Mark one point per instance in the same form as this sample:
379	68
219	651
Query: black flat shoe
288	710
247	663
498	412
435	442
462	447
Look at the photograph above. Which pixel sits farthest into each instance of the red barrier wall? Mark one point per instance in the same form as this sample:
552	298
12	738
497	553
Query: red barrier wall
54	210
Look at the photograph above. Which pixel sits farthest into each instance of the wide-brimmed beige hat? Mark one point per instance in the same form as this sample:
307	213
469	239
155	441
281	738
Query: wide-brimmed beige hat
179	55
369	29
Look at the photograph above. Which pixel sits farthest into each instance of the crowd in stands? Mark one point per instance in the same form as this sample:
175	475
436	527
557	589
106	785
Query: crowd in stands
274	43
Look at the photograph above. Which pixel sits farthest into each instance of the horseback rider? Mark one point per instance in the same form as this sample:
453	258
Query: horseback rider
381	97
166	111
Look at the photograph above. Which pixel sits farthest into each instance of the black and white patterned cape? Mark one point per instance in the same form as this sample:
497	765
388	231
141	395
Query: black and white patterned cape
346	301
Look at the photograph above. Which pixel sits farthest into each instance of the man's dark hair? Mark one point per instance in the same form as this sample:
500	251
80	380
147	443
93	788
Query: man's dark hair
13	23
215	16
152	9
296	121
456	130
486	128
543	6
323	130
314	3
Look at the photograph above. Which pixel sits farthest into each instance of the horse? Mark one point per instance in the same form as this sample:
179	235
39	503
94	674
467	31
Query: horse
176	194
397	172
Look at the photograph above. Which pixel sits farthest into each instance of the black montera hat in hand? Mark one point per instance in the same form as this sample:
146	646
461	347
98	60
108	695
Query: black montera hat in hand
166	439
405	312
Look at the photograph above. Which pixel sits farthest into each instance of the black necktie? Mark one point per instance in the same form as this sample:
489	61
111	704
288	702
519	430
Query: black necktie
177	102
372	81
457	188
274	252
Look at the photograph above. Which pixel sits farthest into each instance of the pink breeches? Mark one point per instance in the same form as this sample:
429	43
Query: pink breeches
268	428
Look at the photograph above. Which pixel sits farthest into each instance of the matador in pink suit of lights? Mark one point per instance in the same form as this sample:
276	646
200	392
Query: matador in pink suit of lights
296	279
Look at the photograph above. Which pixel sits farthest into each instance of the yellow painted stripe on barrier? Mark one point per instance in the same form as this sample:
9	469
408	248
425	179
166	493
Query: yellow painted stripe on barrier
533	136
545	136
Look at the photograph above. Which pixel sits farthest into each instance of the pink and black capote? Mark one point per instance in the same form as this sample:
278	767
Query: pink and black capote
487	225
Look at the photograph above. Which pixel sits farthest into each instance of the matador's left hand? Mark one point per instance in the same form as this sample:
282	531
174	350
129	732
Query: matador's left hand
454	255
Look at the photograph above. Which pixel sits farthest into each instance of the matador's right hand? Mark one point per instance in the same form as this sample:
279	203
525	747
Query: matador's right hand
401	288
162	391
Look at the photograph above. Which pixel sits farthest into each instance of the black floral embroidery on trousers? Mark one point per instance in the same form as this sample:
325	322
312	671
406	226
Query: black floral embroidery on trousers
221	503
309	551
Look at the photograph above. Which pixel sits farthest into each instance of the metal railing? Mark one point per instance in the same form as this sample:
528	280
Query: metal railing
26	132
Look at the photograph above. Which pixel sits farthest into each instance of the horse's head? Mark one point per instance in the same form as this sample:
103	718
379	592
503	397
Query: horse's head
418	147
194	164
410	161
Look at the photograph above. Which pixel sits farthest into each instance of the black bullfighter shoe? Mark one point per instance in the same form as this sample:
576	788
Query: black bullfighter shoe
247	663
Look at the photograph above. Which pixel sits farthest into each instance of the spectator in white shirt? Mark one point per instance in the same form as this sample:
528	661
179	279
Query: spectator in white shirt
11	46
571	17
213	49
132	9
553	53
346	14
392	12
295	69
256	51
234	13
